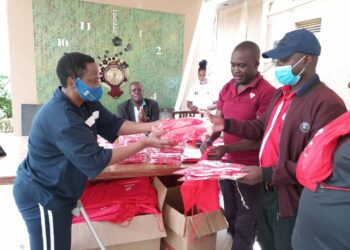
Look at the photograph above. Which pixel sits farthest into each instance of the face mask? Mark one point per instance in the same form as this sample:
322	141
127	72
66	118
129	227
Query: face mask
86	93
205	81
285	76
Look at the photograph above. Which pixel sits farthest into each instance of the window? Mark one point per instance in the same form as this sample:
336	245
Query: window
313	25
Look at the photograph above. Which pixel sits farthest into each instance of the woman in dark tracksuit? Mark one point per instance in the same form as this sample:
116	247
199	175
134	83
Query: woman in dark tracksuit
63	152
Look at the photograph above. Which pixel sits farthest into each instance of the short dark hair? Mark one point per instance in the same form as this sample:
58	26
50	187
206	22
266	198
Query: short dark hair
134	83
72	65
250	46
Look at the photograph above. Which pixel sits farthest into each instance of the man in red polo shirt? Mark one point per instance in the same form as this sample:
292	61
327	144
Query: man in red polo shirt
297	111
245	97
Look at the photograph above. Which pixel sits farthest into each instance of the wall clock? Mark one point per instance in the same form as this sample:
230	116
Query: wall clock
113	75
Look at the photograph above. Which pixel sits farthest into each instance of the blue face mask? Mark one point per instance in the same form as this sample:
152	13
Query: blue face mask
86	93
285	76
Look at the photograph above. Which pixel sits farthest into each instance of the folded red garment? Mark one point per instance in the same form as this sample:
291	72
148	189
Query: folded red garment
206	169
127	139
183	134
166	158
171	124
119	200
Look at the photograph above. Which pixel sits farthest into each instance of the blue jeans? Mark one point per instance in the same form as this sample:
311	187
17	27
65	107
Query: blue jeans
47	229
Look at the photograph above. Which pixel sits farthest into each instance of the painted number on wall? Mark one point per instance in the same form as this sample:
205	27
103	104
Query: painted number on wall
62	42
159	50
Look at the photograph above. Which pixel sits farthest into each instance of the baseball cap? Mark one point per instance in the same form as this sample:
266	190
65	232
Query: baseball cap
301	40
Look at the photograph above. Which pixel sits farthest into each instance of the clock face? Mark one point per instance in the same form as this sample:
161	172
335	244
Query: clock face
114	75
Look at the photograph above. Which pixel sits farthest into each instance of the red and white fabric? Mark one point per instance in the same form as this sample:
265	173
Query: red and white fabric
119	201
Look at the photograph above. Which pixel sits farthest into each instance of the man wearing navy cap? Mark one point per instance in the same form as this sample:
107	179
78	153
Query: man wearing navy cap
298	110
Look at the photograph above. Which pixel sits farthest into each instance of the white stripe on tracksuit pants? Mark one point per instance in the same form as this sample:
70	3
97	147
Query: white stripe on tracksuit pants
48	229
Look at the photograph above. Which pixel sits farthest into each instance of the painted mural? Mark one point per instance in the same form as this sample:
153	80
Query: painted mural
150	42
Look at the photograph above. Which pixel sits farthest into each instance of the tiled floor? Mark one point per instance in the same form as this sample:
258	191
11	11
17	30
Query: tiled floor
13	234
224	241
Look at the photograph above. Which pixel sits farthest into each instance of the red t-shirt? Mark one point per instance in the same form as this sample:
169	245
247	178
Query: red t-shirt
246	105
269	146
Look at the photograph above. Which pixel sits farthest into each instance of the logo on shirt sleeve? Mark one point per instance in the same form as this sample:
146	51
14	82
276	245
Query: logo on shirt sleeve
91	120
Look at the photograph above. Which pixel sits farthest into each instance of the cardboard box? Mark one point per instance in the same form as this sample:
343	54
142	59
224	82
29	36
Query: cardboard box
197	232
142	232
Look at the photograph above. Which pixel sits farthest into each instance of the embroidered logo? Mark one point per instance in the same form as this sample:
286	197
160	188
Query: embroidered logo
304	127
252	95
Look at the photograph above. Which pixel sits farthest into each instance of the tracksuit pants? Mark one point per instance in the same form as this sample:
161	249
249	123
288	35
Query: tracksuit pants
240	206
47	229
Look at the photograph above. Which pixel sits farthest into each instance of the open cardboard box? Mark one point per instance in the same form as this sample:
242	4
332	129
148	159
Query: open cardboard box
197	232
141	233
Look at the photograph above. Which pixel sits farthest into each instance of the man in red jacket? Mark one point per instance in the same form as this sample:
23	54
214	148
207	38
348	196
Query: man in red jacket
297	111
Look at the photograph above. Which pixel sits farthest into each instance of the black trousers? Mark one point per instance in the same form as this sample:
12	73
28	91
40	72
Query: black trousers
47	229
241	219
274	233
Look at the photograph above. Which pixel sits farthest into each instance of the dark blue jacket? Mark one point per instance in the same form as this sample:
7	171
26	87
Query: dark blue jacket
63	151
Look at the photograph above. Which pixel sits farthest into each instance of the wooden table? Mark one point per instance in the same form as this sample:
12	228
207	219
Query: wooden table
16	149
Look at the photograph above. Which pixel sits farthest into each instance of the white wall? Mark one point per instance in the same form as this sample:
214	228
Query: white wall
268	21
219	29
334	64
235	25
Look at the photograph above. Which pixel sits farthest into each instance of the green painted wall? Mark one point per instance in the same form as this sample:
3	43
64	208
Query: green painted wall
69	25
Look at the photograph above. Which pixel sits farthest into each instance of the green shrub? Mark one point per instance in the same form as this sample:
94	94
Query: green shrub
5	105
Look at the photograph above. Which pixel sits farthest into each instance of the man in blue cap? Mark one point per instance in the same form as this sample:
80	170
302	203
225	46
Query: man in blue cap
297	111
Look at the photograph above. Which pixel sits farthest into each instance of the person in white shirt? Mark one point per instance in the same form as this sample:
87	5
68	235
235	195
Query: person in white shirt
201	95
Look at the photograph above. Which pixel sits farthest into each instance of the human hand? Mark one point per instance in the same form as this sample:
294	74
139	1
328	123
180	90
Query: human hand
211	107
216	153
155	127
142	115
254	176
154	140
204	146
218	122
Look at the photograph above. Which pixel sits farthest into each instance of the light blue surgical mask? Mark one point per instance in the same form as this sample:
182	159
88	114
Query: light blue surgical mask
87	93
285	76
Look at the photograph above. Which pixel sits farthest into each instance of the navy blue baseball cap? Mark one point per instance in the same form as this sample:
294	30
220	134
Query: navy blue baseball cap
301	40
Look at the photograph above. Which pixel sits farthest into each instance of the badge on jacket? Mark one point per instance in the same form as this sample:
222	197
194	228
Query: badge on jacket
304	127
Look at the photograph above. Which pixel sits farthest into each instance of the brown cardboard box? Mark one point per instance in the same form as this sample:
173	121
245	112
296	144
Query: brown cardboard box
197	232
142	233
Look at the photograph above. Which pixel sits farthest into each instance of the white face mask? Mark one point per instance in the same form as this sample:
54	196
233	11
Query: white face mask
285	76
205	81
